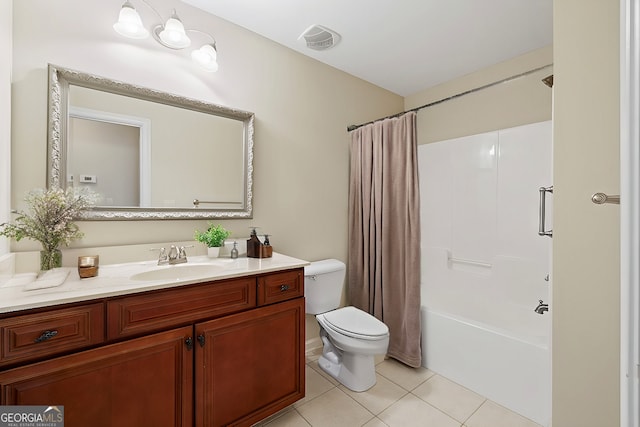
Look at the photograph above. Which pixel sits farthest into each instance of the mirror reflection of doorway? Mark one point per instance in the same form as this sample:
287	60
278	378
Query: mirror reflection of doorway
101	140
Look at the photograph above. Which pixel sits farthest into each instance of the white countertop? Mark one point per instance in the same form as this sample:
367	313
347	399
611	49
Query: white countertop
116	280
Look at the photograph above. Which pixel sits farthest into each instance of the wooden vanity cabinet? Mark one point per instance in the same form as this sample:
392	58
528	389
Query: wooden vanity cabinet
44	333
150	312
141	382
218	354
249	365
278	287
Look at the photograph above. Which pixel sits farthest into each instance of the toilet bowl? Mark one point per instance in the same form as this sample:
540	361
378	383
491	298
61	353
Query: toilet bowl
350	337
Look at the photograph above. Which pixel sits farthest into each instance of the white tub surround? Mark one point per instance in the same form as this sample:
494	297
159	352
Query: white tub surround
484	266
116	279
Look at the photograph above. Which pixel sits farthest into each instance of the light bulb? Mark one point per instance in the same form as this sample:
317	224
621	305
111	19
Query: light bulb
129	23
206	57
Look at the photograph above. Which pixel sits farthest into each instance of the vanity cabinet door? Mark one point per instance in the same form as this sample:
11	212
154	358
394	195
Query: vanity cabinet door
249	365
141	382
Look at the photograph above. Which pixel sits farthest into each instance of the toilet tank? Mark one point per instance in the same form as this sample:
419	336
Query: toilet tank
323	283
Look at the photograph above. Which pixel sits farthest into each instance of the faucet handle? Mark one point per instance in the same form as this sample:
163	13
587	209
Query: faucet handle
182	254
162	257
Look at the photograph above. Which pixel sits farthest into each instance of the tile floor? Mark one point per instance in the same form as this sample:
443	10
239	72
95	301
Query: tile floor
402	397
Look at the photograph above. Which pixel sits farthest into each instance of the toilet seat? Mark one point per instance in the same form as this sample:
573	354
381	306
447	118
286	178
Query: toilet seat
355	323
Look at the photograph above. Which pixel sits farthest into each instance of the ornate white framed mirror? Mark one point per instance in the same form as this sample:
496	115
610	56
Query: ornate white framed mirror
147	154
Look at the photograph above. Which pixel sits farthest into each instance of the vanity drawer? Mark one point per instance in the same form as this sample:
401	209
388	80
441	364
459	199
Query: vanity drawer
33	336
154	311
278	287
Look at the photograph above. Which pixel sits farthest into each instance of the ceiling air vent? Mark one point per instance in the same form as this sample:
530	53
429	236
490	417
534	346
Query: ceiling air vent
318	37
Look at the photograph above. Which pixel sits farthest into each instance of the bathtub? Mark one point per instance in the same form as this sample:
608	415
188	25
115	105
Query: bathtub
504	360
484	267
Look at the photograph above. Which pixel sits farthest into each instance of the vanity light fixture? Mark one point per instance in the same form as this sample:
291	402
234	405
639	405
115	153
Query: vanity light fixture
206	57
129	23
171	34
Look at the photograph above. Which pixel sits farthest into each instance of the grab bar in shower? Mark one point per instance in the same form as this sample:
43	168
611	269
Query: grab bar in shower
468	261
543	210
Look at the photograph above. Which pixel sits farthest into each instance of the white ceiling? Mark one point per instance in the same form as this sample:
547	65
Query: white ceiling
404	46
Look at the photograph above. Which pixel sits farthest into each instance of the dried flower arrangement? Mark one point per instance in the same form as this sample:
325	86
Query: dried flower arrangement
50	221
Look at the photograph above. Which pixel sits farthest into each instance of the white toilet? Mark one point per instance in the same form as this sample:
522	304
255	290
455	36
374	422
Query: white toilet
351	337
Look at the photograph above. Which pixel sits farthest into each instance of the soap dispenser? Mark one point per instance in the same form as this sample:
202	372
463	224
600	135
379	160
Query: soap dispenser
234	251
266	251
253	244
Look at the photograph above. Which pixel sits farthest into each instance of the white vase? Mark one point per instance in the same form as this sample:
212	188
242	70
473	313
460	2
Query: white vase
213	252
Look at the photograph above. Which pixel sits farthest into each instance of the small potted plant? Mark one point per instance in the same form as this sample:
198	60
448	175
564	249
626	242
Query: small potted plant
214	238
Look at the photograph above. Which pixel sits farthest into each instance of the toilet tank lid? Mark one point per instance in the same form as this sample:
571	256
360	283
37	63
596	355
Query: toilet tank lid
323	266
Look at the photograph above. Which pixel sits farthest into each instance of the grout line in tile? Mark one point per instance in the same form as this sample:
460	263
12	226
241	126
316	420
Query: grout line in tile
477	409
369	420
363	407
344	388
449	415
436	408
401	386
375	416
305	420
314	398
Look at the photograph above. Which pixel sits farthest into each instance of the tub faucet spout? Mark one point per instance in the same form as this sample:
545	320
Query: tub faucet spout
541	308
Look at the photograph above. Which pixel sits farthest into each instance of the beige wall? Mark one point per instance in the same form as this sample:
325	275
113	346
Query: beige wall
302	110
586	280
517	102
5	118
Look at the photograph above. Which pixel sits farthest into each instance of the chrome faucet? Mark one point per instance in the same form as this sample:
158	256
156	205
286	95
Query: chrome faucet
541	308
176	255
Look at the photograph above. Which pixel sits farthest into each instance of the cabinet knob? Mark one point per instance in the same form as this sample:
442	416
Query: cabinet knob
46	335
201	340
189	343
284	288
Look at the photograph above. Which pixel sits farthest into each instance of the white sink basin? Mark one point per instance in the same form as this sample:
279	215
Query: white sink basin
178	272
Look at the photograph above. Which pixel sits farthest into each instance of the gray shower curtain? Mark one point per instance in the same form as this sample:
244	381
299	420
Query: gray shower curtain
384	230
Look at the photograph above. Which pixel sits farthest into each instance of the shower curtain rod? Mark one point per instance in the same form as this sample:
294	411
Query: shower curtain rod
458	95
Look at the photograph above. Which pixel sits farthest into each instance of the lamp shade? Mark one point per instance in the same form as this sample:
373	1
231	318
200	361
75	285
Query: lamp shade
129	23
206	57
173	34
